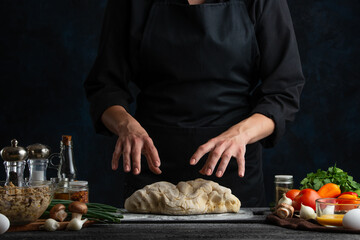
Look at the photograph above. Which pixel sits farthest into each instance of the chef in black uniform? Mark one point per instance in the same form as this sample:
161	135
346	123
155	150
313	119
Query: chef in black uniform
217	79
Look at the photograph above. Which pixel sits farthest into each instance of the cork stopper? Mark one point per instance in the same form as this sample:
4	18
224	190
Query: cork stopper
66	140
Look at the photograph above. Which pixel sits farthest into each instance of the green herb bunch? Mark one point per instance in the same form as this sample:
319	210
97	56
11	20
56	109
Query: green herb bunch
332	175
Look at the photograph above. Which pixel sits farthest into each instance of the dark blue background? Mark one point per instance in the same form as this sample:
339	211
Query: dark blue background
48	47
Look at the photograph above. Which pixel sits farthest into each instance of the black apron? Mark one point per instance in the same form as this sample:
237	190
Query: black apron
197	65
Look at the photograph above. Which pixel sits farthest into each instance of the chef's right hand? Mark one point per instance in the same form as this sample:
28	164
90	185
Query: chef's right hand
133	141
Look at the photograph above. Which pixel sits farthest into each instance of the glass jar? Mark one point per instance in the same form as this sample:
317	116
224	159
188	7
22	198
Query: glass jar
61	188
79	191
71	190
283	183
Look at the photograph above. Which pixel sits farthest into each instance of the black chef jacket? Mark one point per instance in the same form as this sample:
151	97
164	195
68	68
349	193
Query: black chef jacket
200	69
278	67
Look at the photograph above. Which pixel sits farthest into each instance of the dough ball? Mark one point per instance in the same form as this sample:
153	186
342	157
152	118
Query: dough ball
186	198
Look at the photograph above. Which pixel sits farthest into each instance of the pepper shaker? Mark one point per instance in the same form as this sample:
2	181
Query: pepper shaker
14	158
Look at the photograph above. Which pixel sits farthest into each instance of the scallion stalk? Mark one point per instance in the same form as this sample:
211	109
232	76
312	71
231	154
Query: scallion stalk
96	211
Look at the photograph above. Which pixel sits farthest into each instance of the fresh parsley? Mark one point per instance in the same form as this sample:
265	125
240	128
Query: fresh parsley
332	175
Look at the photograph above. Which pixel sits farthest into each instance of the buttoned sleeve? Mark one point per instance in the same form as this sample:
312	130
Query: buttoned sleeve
107	82
279	67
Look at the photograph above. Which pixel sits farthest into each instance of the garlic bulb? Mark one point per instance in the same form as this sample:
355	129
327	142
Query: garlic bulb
307	212
50	225
75	224
285	199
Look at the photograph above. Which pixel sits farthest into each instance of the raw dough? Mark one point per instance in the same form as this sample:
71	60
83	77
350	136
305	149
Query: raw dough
192	197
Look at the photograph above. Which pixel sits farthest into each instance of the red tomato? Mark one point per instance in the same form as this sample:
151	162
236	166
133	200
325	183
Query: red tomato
292	193
306	197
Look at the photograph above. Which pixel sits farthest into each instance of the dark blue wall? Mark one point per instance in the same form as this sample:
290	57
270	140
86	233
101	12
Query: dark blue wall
48	47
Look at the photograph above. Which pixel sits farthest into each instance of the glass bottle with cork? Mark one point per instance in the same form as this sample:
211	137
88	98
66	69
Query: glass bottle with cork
67	166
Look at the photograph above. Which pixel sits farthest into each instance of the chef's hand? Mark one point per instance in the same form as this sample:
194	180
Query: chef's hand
232	143
132	142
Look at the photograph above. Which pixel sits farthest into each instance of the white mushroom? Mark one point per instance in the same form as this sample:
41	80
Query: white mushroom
284	211
77	209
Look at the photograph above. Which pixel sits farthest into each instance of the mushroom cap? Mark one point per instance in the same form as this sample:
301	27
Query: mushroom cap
78	207
57	208
284	205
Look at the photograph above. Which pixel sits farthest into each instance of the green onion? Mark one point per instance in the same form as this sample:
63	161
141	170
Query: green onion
96	211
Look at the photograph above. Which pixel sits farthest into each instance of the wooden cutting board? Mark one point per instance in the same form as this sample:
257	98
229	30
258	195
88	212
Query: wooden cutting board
35	226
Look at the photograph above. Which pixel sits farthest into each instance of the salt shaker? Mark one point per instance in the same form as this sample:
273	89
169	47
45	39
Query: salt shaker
283	183
14	158
37	162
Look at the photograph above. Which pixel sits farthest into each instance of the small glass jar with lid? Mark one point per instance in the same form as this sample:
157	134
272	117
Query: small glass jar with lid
79	191
283	183
71	190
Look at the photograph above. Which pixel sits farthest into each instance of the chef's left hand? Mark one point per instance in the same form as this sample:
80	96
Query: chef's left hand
232	143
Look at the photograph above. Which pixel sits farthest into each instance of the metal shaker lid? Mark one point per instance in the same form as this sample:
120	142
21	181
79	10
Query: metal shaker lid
14	153
38	151
283	178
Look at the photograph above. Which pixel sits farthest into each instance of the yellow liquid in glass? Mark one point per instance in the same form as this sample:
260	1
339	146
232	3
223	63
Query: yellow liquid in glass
331	219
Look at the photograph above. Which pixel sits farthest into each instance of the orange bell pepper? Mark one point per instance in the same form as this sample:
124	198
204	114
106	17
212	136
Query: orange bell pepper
349	193
329	190
348	201
347	196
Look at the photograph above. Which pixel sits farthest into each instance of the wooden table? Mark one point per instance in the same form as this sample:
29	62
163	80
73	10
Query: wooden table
254	228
